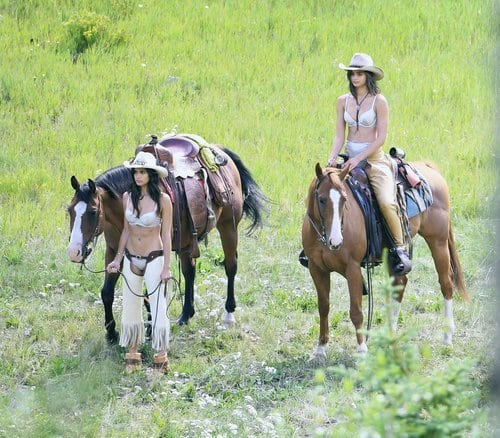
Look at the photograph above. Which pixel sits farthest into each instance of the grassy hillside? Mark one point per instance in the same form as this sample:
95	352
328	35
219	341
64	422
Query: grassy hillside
81	84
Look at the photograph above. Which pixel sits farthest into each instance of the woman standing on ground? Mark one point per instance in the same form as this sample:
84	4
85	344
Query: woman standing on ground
144	247
365	113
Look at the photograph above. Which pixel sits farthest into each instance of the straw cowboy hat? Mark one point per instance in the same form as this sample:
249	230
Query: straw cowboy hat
363	62
145	160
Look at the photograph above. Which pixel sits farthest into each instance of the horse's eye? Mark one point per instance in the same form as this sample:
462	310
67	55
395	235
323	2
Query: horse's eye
322	201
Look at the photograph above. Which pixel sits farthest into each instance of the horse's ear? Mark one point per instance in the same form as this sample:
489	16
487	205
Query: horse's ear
344	172
74	183
319	170
92	186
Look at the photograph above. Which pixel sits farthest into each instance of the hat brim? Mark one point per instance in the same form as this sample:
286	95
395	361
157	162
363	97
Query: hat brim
377	72
161	171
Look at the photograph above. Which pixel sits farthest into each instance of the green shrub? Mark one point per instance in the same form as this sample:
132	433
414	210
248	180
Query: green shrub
86	29
390	396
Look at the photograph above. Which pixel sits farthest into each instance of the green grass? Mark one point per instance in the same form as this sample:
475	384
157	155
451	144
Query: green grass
262	78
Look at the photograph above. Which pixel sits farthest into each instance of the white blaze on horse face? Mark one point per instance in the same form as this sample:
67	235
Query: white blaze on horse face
76	237
335	238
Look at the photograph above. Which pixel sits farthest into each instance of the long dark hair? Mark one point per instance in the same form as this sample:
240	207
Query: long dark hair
371	83
153	190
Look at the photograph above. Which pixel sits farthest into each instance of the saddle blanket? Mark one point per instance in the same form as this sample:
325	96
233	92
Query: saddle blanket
418	199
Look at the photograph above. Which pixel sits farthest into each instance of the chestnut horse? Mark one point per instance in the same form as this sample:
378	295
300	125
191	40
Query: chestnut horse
341	247
97	208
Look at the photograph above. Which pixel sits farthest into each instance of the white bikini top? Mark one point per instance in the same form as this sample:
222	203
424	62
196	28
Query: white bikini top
367	120
146	220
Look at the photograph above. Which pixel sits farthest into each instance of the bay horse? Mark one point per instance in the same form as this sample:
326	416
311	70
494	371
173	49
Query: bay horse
341	247
96	208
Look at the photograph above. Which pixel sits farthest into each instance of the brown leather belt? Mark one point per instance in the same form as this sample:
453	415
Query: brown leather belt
151	256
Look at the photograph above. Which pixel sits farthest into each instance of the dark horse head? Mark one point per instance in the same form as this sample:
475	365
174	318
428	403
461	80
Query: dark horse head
87	213
85	219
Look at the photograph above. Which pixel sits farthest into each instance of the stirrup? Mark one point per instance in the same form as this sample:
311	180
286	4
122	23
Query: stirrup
399	261
133	362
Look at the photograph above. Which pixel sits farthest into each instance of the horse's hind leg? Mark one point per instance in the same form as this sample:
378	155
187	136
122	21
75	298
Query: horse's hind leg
396	300
108	296
441	256
188	266
229	239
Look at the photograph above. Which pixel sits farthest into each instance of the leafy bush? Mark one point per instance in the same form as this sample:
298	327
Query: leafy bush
86	29
390	396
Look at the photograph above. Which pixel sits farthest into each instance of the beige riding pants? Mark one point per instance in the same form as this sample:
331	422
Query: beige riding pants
132	325
380	172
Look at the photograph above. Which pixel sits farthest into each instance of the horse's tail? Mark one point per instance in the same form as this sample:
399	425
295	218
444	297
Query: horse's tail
456	268
254	200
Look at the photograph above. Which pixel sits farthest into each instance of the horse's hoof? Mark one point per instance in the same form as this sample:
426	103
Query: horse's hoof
362	348
318	355
112	337
183	320
448	339
229	319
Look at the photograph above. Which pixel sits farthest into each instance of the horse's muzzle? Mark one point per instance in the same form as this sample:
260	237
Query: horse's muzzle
335	247
78	254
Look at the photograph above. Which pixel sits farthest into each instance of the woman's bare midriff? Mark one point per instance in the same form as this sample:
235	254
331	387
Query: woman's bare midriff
141	241
363	135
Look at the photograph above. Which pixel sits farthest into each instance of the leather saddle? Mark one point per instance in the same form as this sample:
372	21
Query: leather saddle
187	187
413	195
361	190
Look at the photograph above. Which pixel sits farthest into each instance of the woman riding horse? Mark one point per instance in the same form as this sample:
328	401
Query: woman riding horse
334	240
365	113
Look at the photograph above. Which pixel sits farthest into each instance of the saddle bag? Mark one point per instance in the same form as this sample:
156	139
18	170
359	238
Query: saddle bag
218	181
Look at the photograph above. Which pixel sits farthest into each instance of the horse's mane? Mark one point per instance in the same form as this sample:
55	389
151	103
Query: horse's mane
115	181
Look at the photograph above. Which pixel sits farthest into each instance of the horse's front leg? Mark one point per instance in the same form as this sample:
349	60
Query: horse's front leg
355	285
188	266
321	281
108	297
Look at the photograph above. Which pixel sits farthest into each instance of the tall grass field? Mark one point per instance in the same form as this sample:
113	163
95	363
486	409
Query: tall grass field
83	83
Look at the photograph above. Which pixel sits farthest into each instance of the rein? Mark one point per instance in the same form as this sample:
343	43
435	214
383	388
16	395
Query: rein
322	236
86	251
143	295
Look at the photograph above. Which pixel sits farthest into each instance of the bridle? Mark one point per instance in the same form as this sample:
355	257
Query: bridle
86	249
324	240
321	230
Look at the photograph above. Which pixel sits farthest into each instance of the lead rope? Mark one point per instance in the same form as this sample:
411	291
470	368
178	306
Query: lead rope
146	295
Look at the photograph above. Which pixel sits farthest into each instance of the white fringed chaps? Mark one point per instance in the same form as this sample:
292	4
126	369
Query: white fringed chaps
132	325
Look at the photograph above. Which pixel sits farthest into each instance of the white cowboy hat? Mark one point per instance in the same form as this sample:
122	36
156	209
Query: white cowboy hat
145	160
363	62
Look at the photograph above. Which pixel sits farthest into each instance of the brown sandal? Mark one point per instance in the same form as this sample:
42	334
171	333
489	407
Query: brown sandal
133	362
160	363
